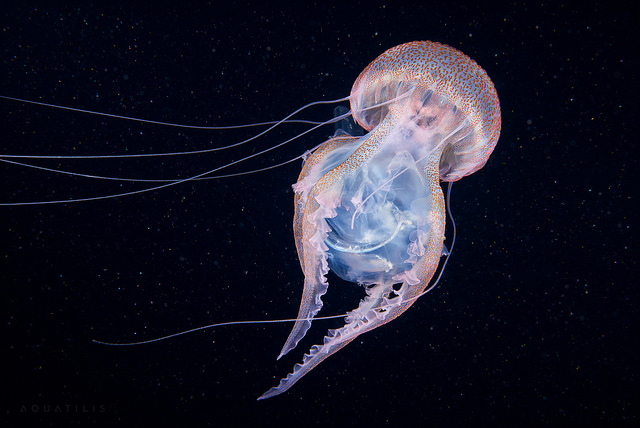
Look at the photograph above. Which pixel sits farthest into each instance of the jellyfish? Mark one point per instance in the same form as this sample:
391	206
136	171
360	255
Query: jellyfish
368	207
371	208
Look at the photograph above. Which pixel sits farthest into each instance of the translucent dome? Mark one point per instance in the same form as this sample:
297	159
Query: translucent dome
429	69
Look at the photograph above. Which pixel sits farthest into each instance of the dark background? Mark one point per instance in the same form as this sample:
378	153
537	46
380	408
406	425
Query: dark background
534	322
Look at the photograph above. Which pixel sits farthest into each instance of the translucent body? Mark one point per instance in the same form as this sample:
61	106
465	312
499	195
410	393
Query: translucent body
389	228
371	208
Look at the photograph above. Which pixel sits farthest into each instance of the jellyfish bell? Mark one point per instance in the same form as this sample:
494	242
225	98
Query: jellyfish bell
446	90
